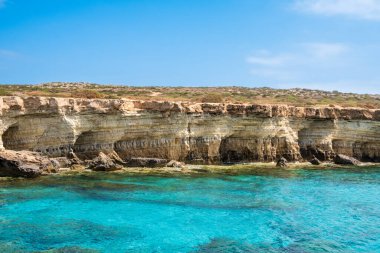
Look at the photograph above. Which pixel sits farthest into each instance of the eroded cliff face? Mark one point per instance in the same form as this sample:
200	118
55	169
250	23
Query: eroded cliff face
194	133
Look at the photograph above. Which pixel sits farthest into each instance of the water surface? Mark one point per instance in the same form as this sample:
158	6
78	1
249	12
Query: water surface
266	211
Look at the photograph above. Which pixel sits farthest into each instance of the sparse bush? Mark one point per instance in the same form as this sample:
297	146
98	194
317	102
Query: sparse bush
4	92
112	96
212	98
87	94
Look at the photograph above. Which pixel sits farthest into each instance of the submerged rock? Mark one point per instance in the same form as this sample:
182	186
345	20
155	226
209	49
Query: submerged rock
104	163
70	249
345	160
146	162
24	164
282	162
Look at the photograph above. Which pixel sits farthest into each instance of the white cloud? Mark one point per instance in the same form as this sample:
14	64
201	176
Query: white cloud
361	9
303	60
267	59
306	52
326	50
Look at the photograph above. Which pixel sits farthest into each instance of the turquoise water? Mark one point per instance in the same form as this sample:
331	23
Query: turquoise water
273	211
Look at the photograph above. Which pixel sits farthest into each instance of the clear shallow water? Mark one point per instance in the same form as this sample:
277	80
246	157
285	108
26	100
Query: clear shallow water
273	211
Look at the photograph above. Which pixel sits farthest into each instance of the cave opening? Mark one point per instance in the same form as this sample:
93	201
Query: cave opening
88	144
10	138
84	146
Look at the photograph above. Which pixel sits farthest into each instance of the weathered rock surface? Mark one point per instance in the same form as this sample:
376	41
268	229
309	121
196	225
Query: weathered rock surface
345	160
282	163
146	162
24	164
315	161
208	133
104	163
175	164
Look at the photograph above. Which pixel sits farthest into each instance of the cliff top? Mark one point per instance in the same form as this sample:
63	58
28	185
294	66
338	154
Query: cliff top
14	106
233	94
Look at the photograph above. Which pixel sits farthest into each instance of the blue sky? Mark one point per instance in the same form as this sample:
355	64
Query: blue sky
322	44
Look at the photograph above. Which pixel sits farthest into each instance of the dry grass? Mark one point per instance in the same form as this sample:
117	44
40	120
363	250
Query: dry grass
298	97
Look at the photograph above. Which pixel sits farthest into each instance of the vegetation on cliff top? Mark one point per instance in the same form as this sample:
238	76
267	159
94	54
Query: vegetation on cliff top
233	94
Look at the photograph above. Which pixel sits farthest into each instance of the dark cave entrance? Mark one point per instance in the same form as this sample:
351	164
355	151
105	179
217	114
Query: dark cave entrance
90	143
11	138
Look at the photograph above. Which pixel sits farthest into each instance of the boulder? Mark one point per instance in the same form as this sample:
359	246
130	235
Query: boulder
315	161
345	160
63	162
146	162
74	159
282	162
24	164
175	164
103	163
116	158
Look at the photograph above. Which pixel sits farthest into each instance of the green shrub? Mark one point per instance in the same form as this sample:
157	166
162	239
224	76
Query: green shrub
212	98
87	94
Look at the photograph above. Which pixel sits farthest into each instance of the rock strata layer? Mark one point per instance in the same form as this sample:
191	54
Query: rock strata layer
207	133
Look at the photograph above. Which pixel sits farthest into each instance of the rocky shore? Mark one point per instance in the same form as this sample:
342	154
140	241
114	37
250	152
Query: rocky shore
47	135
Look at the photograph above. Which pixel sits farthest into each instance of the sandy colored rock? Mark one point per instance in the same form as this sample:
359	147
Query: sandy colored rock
104	163
24	164
206	133
175	164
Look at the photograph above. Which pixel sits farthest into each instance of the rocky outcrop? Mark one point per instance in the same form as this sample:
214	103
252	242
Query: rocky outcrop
24	164
207	133
104	163
345	160
315	161
146	162
175	164
282	163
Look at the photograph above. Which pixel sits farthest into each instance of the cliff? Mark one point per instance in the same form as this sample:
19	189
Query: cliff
190	132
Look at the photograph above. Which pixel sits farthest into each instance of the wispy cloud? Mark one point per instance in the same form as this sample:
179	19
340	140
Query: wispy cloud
264	57
325	50
295	64
8	53
361	9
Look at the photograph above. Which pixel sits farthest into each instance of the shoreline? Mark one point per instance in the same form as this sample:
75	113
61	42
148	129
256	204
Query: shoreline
234	169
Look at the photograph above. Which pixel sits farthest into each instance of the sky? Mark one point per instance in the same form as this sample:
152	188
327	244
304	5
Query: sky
314	44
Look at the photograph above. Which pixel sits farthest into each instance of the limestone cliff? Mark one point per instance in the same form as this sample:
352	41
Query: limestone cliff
191	132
